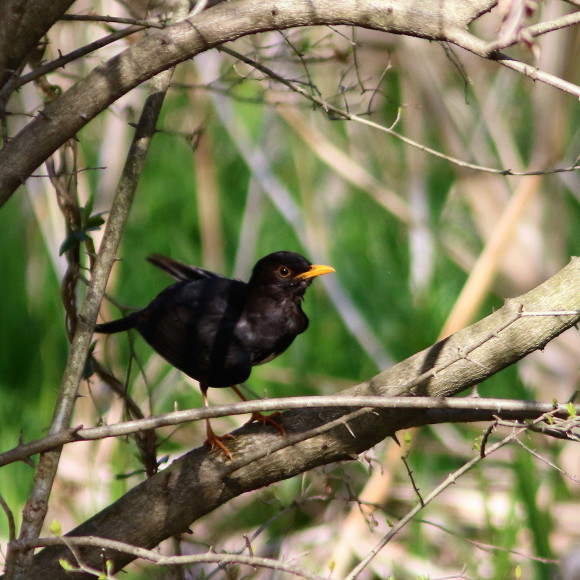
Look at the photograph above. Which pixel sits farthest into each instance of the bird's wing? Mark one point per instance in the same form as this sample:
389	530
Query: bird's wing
190	325
168	335
179	270
170	324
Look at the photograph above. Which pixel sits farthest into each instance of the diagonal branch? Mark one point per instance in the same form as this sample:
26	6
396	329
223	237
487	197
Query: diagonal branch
481	48
37	504
162	560
451	479
200	481
534	31
336	112
65	116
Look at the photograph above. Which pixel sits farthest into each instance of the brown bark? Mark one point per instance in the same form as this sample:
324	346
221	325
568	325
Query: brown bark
22	26
201	481
64	117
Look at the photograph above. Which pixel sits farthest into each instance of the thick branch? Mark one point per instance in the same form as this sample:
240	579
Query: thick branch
37	504
22	25
200	481
63	118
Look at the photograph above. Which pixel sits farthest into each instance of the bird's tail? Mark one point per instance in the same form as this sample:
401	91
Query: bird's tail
116	325
178	270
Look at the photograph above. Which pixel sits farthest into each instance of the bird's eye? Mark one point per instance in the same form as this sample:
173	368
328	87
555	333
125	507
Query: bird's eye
284	272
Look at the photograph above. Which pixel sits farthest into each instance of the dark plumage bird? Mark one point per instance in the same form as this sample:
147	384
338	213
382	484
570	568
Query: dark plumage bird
215	329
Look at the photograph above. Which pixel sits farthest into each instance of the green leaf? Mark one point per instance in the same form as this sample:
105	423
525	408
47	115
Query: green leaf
67	244
55	528
94	222
87	209
66	565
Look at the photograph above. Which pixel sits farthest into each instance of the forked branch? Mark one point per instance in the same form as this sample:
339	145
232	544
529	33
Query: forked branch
200	481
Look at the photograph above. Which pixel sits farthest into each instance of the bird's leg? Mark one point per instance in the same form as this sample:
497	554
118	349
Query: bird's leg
214	440
257	416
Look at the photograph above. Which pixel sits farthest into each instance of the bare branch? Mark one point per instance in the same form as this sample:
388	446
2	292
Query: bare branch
479	47
63	118
161	560
10	518
200	481
337	112
471	409
227	21
548	462
491	547
534	31
37	504
112	19
76	54
22	25
451	479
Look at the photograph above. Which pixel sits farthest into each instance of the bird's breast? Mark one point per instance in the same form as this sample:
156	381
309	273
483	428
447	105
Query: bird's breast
268	333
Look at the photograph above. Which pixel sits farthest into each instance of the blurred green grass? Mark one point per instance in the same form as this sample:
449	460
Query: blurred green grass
375	256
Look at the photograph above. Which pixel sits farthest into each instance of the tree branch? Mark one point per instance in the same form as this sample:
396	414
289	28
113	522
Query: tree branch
65	116
332	110
481	48
37	503
451	479
76	54
22	25
534	31
200	481
469	409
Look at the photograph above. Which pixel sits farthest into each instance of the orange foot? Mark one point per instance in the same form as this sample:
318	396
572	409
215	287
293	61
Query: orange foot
214	441
258	417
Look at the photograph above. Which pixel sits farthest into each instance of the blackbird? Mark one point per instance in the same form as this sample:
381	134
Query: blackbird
215	329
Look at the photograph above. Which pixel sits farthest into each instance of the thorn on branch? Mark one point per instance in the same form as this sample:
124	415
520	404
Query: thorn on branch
350	430
481	365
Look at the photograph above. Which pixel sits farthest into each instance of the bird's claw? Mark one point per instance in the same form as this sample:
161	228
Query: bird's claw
267	419
215	441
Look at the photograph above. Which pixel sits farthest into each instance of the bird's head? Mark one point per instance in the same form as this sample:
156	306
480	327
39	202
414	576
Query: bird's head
287	271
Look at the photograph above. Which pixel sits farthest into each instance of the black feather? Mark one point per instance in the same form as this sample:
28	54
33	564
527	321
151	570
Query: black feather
215	329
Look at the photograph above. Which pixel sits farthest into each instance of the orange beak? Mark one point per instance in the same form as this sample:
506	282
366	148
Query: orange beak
315	270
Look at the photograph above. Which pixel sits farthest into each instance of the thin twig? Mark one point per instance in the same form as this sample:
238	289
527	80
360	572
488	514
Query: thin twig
478	405
76	54
547	462
489	547
451	479
160	559
412	479
535	30
479	47
112	19
336	112
9	517
490	429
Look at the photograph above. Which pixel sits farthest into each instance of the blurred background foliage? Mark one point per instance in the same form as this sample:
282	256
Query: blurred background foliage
242	166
